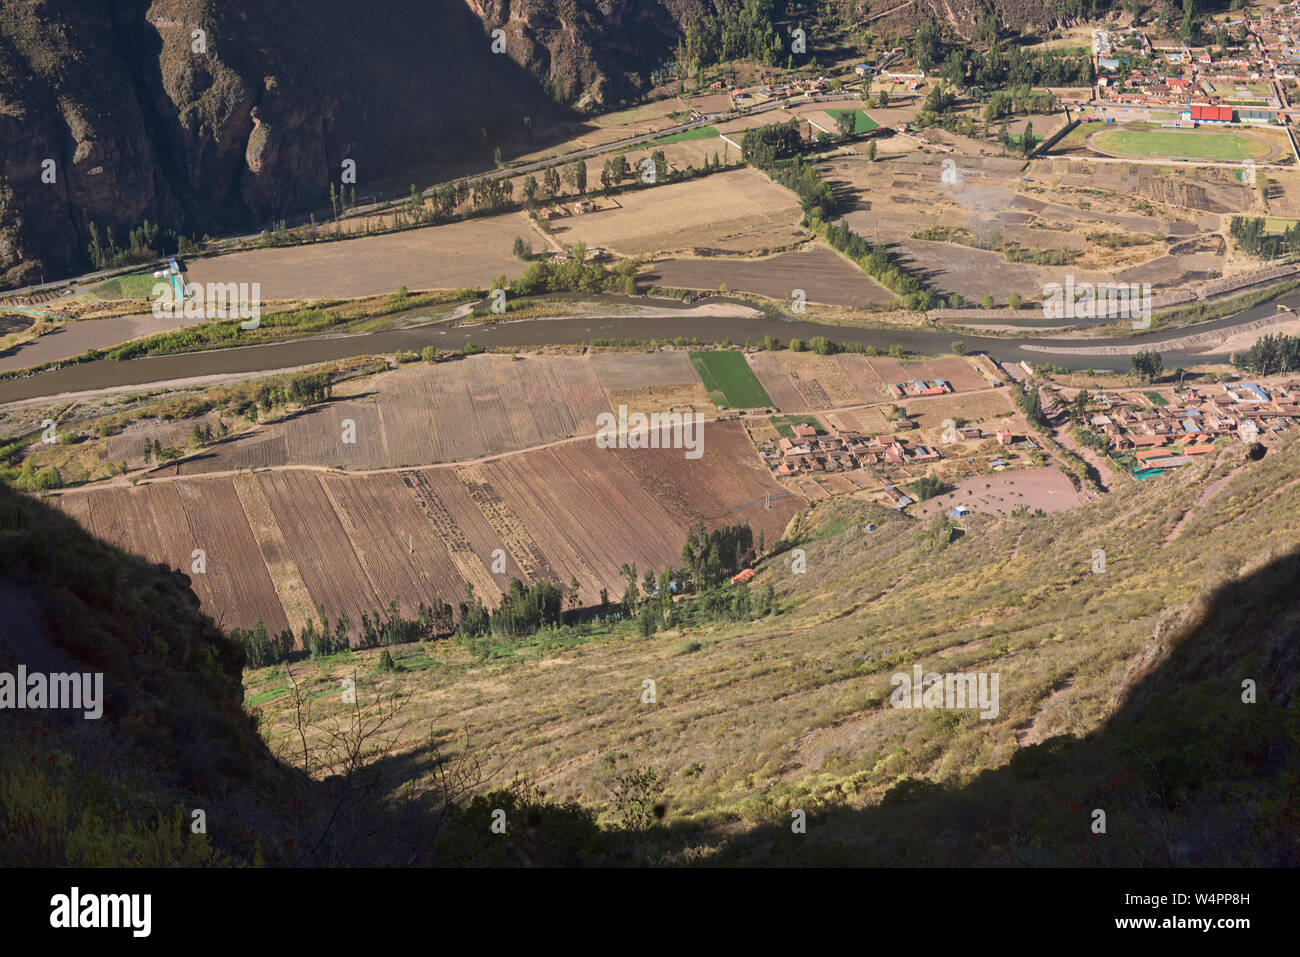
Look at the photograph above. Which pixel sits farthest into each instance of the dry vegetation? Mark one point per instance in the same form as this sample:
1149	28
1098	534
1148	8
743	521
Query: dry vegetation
792	712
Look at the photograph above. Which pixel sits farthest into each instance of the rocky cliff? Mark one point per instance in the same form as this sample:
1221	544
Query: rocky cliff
207	116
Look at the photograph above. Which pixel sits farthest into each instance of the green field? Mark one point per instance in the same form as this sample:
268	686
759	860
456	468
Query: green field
1176	143
1277	225
699	133
135	286
784	424
729	380
861	122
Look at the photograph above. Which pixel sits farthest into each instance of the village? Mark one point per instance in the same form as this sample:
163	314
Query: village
1168	436
1243	77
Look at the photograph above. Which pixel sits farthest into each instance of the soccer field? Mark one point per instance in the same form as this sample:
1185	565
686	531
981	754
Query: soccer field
1181	144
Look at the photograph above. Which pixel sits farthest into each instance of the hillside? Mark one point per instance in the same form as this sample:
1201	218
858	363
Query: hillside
142	128
1120	691
250	121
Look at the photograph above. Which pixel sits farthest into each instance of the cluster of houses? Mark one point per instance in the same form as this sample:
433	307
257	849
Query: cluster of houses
593	254
839	451
901	390
1180	86
752	96
1173	435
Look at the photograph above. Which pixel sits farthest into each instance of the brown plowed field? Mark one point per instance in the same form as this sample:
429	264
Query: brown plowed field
587	513
167	522
423	414
616	370
281	543
803	381
451	256
735	212
822	274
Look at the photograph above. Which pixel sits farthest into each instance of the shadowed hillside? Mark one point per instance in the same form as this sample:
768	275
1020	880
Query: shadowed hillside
255	127
1120	691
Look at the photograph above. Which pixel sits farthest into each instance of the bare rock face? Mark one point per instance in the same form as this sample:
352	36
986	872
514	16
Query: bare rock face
205	117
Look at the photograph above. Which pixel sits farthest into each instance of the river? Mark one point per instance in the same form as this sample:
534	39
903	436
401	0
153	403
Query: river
104	373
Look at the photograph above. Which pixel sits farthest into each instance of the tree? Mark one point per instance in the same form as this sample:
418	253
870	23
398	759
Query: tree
530	188
882	99
1027	141
552	180
1013	301
575	174
1146	365
522	251
1080	408
987	301
378	811
846	121
871	151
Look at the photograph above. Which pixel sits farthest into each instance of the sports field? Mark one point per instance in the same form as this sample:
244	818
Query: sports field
861	122
730	381
1176	143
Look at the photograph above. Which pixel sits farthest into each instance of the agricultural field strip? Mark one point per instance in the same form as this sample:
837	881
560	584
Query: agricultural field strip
481	460
507	524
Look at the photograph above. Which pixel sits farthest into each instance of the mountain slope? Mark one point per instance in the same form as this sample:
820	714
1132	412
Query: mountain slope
256	124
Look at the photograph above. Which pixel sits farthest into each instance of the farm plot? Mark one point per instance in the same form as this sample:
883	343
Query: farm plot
587	513
451	256
167	522
319	544
403	543
663	398
803	381
823	275
620	370
730	381
463	530
279	545
867	421
589	510
486	405
424	414
888	202
728	485
737	212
